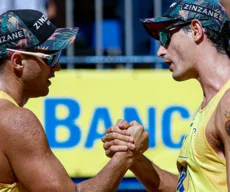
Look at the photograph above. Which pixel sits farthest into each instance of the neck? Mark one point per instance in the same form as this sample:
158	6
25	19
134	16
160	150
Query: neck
214	72
14	89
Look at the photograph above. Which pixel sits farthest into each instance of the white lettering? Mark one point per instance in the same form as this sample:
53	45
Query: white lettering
210	13
202	10
36	25
186	6
205	11
3	39
199	9
43	19
216	15
15	35
9	37
12	37
40	22
20	34
194	8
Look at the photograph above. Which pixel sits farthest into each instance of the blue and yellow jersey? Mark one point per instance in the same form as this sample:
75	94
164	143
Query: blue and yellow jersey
201	168
7	187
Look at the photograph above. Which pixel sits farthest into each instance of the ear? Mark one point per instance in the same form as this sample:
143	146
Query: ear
197	30
16	61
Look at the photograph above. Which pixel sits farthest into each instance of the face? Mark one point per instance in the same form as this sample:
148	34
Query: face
36	75
179	54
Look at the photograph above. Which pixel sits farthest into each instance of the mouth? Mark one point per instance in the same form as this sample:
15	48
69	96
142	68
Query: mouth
169	63
52	76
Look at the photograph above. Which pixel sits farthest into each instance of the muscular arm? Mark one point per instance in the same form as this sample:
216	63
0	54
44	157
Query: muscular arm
152	177
108	179
223	130
36	167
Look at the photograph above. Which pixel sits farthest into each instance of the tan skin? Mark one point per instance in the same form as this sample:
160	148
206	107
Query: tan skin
212	73
25	156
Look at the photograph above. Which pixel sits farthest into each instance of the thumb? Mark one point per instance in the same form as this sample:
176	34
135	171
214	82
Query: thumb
122	124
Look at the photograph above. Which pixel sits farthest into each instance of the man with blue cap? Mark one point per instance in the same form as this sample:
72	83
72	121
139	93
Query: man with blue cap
30	47
194	37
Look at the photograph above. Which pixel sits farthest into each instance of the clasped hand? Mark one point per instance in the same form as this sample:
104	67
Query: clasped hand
126	136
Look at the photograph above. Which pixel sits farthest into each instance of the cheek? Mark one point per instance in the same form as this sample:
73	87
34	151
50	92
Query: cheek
180	52
32	74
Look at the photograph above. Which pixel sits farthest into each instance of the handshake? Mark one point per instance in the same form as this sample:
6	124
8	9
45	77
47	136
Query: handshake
126	137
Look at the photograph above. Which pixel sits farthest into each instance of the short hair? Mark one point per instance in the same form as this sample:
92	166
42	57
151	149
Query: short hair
2	63
219	40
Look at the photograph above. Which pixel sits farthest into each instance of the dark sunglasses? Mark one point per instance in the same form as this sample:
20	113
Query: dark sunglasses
166	34
50	59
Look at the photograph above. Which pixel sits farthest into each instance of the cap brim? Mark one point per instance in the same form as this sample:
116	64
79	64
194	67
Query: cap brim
154	25
60	39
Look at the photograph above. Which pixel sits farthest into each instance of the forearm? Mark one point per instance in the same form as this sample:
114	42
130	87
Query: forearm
152	177
108	179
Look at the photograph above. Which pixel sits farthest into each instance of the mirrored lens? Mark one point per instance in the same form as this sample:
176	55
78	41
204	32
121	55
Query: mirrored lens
164	38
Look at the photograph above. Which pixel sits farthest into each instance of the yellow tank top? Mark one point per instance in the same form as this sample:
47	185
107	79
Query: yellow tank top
7	187
201	168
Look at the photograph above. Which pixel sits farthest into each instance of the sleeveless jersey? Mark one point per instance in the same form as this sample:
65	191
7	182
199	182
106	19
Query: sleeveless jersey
201	168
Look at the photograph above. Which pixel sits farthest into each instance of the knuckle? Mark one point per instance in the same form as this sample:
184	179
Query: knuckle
119	121
116	142
108	130
112	128
105	146
113	135
113	148
127	139
140	127
134	122
107	153
146	134
111	143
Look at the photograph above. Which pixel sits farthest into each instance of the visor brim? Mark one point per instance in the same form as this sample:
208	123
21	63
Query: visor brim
154	25
60	39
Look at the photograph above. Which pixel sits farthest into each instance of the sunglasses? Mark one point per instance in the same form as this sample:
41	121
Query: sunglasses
166	34
52	59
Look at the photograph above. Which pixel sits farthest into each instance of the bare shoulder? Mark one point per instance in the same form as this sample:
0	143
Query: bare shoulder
21	127
20	119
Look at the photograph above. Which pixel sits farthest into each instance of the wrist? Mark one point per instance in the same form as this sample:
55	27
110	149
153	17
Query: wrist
124	157
137	161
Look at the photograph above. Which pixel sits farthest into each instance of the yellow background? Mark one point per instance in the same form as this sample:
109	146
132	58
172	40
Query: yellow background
115	90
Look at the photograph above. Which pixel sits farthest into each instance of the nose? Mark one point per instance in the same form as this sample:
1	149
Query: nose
161	51
56	67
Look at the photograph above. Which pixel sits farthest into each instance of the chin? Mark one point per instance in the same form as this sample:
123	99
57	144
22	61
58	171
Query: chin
42	93
176	77
45	93
179	77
